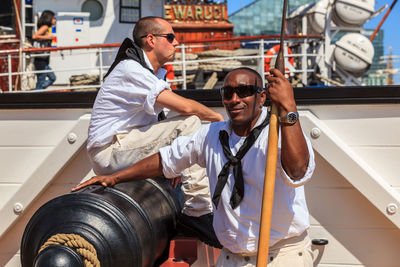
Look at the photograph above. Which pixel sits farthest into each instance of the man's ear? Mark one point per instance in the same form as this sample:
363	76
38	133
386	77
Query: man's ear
262	97
150	41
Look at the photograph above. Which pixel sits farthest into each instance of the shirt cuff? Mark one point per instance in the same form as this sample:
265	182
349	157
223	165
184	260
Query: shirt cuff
307	176
296	183
165	153
150	106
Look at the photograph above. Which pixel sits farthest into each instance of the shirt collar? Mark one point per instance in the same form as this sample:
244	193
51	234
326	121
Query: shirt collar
160	73
264	111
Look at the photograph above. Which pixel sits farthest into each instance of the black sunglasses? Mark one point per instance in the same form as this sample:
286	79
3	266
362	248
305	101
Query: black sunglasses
169	36
241	91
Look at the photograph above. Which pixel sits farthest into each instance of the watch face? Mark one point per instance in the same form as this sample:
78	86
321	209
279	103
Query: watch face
292	117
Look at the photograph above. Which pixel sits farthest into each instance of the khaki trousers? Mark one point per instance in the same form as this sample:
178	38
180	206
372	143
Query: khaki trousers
127	149
291	252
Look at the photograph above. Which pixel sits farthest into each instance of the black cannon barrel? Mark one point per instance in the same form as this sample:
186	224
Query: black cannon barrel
128	225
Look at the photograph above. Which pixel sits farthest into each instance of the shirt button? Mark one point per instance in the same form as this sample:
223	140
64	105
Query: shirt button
300	254
246	258
227	257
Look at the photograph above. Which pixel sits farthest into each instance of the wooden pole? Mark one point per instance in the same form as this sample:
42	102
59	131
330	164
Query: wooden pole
270	165
383	20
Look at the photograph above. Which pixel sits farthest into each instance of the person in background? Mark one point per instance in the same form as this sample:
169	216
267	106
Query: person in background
42	38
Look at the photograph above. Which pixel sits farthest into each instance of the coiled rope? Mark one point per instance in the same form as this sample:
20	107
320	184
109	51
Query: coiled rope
79	244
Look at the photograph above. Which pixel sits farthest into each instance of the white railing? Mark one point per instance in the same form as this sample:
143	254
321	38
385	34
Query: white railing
98	67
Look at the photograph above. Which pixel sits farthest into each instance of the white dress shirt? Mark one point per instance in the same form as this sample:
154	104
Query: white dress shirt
127	99
237	229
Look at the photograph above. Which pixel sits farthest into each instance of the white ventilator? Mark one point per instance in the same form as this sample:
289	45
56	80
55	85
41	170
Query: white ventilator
316	16
353	12
346	13
353	53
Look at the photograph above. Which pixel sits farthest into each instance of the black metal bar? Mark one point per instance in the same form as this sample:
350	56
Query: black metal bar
350	95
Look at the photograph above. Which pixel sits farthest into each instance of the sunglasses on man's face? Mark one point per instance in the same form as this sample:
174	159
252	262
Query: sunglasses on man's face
169	36
241	91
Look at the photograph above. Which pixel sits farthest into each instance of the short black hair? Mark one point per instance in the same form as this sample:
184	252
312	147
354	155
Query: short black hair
46	18
146	25
259	78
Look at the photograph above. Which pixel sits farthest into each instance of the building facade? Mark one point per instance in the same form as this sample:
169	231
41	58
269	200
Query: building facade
375	76
261	17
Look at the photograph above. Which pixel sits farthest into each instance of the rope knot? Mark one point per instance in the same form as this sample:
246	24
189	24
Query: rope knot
81	246
234	161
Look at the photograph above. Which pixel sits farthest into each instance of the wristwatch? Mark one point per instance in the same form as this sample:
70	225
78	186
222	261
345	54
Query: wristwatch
290	118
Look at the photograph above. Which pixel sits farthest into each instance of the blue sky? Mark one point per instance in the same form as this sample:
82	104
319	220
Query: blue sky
391	26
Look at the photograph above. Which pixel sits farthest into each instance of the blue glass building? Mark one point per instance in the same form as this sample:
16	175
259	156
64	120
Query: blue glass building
261	17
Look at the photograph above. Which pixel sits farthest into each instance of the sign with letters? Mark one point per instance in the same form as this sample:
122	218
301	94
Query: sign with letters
194	13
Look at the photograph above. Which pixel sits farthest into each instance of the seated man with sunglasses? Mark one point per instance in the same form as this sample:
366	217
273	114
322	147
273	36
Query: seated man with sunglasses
234	155
127	119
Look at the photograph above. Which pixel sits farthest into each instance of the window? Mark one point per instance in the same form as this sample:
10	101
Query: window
129	11
7	18
95	9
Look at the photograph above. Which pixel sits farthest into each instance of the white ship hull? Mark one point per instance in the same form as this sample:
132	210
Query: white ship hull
353	196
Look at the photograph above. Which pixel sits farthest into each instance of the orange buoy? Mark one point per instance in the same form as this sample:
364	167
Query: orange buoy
270	59
170	75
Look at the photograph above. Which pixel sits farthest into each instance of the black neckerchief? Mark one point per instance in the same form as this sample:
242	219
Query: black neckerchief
129	50
236	162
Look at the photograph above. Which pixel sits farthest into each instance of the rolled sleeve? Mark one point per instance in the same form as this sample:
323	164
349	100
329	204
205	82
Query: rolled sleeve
178	156
144	90
150	103
183	153
167	162
309	172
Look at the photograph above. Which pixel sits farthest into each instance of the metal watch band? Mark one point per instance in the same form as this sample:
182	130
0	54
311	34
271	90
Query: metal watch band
290	118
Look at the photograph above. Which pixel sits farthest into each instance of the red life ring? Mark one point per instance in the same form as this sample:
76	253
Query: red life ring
274	50
170	75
